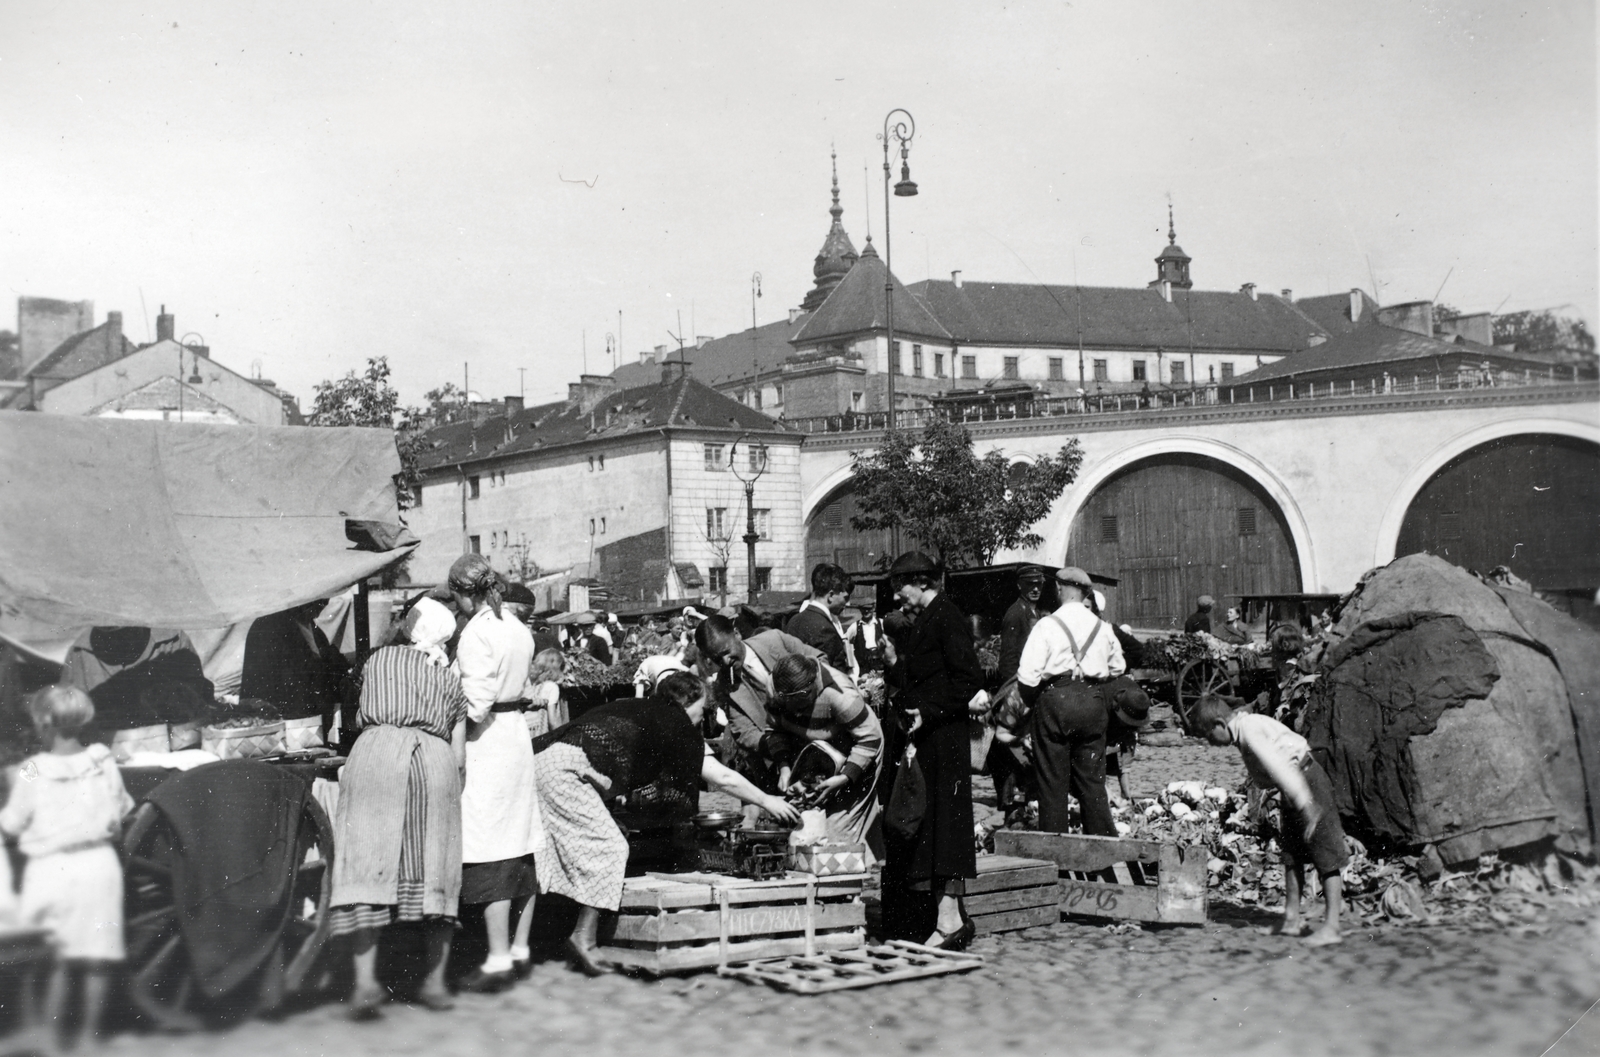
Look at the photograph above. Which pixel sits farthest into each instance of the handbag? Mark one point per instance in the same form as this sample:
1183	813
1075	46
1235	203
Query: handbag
908	800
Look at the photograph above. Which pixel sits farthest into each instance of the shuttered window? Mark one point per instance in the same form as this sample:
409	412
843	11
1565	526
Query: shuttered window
1108	528
1247	521
833	517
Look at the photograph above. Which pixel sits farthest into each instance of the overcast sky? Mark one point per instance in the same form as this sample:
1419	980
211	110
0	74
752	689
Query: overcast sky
307	184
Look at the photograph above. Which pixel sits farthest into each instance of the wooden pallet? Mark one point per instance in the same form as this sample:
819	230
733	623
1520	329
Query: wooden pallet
842	970
1114	877
673	923
1011	893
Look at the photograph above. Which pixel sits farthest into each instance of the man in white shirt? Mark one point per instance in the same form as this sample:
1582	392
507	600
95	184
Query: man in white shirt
1068	656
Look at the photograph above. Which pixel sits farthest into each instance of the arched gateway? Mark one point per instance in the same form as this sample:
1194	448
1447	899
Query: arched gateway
1530	502
1175	526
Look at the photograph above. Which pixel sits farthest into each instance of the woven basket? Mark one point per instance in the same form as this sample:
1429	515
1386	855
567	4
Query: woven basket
242	743
300	734
125	743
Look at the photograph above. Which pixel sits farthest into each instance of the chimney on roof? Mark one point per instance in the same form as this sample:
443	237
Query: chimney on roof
513	406
1415	316
1355	304
1249	289
700	340
1478	327
647	356
166	326
1288	294
794	314
1166	290
586	393
661	351
955	277
114	330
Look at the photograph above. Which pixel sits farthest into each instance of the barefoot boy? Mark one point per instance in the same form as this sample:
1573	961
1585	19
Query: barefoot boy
1278	758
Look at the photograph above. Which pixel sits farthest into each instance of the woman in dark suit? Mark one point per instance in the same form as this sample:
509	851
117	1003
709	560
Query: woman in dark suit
935	670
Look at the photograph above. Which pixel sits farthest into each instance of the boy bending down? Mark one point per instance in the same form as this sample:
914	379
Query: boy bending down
1278	758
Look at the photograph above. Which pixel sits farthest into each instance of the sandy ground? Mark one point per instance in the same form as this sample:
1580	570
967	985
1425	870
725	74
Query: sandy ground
1075	988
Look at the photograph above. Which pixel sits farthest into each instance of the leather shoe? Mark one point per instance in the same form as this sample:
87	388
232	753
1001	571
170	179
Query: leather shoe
583	959
957	940
522	968
479	982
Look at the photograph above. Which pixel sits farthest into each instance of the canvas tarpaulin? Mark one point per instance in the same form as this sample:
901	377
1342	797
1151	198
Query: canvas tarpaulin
1504	769
180	525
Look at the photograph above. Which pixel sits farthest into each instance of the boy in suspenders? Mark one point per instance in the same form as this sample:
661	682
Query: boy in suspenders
1069	655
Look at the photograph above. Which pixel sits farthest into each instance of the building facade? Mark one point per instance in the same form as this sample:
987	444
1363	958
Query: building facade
637	493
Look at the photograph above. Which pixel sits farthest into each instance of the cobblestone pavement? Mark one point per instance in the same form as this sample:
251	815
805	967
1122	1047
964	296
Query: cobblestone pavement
1076	988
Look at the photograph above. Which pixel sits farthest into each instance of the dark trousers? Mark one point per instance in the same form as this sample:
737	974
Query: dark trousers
1069	751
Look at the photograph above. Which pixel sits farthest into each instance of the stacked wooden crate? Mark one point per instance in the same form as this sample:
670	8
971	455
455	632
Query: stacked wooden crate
672	923
1115	877
1012	893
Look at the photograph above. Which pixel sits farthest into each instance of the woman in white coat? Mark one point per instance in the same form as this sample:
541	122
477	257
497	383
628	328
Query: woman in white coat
500	824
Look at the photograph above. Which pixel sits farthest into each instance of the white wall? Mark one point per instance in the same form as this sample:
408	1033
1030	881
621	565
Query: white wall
546	500
161	360
694	488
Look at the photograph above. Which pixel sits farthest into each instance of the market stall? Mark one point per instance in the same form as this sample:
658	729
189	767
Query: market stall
131	525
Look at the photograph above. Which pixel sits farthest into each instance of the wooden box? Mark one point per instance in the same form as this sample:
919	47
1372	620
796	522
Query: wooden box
673	923
830	859
1114	877
1011	893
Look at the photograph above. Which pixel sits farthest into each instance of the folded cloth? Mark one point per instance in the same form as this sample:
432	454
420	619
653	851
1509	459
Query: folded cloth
237	824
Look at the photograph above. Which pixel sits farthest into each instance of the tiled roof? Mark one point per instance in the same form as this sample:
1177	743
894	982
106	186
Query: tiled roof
1331	312
856	307
1375	346
982	313
82	353
683	402
723	359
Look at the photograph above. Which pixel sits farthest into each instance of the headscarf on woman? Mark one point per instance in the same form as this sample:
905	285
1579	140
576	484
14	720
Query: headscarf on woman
471	574
429	626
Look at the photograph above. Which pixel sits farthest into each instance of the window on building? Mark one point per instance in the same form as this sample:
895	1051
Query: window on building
764	523
777	394
857	401
591	526
1179	376
758	457
1055	369
1100	372
1138	370
416	496
472	487
1011	368
969	367
602	526
475	544
1247	521
833	516
1227	372
916	361
716	522
1108	528
602	466
938	365
714	459
894	359
718	582
763	578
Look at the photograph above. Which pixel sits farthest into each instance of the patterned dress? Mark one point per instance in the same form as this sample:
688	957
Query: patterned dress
398	828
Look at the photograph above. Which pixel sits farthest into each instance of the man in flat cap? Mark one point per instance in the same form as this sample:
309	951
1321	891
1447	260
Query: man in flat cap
1069	657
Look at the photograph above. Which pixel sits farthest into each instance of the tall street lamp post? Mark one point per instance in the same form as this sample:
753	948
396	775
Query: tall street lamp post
755	347
901	130
757	467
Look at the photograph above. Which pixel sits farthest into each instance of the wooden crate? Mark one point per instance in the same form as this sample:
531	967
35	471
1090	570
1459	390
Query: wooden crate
1012	893
1113	877
673	923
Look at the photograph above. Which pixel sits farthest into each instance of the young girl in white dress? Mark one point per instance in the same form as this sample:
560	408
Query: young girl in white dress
65	810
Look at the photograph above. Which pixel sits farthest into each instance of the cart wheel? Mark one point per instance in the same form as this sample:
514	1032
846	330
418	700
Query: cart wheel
161	981
1198	678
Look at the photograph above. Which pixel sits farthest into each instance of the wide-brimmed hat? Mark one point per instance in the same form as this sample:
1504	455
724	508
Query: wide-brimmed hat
1131	706
1075	576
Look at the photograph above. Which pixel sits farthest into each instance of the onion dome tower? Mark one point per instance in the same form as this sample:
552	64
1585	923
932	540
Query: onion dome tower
837	256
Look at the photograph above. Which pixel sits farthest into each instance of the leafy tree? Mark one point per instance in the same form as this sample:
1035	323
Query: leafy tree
447	403
1542	330
369	400
949	501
